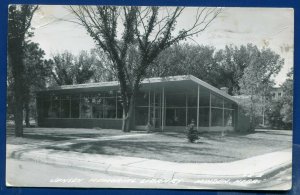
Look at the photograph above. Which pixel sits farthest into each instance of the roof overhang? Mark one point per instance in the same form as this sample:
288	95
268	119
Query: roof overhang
146	83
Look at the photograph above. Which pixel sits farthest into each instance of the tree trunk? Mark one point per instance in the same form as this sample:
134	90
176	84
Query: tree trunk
18	115
16	61
127	117
27	114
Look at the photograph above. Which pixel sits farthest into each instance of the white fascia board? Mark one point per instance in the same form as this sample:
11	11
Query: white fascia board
212	88
147	81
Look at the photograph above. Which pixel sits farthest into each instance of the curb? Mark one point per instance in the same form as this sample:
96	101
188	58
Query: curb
124	170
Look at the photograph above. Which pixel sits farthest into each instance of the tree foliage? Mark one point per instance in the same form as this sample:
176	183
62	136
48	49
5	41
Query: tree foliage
36	74
280	112
68	69
256	81
287	99
133	37
232	62
183	59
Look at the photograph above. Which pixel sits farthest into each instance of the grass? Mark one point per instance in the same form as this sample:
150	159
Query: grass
175	147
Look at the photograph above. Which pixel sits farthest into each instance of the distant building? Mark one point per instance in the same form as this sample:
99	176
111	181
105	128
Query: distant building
276	93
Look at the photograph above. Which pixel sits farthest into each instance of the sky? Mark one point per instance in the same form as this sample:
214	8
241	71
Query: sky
264	27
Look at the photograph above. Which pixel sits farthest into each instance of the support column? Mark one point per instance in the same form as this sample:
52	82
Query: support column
223	114
79	105
209	124
70	109
263	111
149	106
198	98
163	109
116	104
186	110
60	110
154	117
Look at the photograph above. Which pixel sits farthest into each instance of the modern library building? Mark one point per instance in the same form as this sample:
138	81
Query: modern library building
166	103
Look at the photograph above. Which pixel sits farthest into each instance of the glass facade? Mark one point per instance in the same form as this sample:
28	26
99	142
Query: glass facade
94	105
170	109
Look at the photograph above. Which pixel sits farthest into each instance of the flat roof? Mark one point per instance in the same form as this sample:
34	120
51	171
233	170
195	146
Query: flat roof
153	80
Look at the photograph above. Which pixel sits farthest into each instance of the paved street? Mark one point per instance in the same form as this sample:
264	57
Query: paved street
23	174
30	173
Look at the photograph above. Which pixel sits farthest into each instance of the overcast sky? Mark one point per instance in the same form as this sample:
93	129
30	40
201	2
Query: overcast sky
264	27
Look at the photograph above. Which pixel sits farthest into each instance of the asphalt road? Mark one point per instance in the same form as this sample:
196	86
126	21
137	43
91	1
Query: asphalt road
36	174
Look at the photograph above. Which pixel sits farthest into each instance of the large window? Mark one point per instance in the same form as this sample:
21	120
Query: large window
46	108
65	107
175	116
216	117
109	108
95	105
204	117
228	117
54	113
141	116
75	103
86	107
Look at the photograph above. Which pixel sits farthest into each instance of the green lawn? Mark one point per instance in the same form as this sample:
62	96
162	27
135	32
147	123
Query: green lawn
174	147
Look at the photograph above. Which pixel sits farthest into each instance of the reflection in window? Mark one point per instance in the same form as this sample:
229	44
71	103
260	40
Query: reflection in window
192	115
216	101
141	116
86	108
203	117
142	99
65	108
175	116
109	108
47	108
228	117
97	107
179	101
75	108
216	117
55	108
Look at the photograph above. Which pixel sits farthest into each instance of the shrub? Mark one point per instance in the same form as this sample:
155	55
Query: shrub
192	134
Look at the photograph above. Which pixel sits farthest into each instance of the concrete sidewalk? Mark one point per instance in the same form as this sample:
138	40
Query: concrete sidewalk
257	167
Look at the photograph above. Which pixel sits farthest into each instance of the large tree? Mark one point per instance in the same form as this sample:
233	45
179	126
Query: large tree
36	74
287	100
257	81
68	69
19	22
280	112
142	31
184	59
231	62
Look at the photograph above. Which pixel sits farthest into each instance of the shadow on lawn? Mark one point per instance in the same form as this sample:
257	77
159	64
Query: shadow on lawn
275	133
46	137
182	152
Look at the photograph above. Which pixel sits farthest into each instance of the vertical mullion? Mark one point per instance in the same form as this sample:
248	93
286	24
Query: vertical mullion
116	105
149	106
91	106
59	112
186	110
223	114
80	105
198	97
209	124
154	117
163	109
70	107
